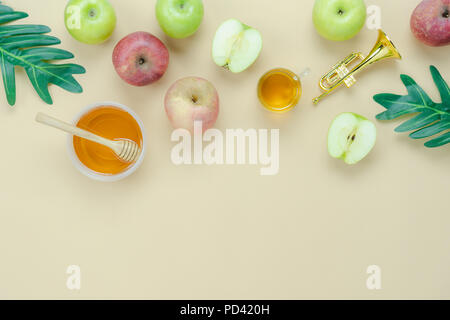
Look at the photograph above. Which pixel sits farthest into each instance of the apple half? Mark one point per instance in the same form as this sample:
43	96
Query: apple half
351	137
236	46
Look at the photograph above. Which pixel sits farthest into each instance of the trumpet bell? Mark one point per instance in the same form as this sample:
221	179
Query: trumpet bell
384	48
340	74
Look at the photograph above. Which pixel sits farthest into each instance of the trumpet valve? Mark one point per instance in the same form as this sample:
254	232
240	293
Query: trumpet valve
342	72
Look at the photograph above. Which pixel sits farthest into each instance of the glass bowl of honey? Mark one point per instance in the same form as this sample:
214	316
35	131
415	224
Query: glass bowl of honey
113	121
279	90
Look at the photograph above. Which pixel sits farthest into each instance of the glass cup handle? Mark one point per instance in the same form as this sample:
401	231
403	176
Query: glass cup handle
304	73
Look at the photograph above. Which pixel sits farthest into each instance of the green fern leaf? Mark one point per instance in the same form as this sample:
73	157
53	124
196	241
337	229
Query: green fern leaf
27	46
431	118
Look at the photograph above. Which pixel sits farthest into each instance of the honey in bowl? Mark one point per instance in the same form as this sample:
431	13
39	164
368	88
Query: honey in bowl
112	123
279	90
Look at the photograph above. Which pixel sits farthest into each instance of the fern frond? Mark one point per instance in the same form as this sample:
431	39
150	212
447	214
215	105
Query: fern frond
27	46
431	117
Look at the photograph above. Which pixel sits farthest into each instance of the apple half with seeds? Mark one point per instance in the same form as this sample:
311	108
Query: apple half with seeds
351	137
236	46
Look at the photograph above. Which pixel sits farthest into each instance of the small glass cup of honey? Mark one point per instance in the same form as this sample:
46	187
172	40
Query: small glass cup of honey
110	120
279	90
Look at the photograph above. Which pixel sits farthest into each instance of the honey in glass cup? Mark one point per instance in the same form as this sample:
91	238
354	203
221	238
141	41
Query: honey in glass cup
279	90
112	121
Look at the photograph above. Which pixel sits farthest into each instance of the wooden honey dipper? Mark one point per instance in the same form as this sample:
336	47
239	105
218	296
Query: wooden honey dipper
126	150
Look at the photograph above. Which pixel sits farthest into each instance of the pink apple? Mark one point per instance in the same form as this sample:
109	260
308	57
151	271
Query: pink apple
192	99
140	58
430	22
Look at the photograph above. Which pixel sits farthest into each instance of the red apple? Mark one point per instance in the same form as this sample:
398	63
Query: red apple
140	58
192	99
430	22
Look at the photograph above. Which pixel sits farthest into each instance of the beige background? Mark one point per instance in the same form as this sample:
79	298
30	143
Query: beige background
225	231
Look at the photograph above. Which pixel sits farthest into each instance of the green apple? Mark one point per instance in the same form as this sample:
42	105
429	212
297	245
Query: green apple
90	21
236	46
339	20
179	18
351	137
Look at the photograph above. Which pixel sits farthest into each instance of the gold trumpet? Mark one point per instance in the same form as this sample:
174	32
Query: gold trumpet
340	74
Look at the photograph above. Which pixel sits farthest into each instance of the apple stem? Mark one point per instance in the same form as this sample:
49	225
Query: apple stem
92	13
446	13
